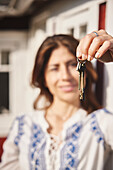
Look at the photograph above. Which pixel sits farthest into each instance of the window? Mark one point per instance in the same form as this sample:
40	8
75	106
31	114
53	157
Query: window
71	31
4	57
83	31
4	81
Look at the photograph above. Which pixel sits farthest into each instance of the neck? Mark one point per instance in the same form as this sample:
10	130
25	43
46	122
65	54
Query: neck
63	110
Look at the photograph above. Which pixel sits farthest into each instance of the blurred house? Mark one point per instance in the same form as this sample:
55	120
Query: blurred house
23	27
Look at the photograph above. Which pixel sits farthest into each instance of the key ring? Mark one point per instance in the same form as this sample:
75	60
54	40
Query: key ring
81	61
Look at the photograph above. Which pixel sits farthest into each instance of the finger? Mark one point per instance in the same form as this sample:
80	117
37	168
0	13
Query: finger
82	49
106	46
102	32
95	45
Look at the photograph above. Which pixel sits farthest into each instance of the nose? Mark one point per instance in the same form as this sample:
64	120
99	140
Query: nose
65	73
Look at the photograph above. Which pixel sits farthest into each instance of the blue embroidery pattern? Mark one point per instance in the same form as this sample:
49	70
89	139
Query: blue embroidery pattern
107	111
69	153
20	130
96	129
36	149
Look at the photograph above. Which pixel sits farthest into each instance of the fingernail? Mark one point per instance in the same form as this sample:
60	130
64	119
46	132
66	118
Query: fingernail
84	56
97	55
89	58
78	54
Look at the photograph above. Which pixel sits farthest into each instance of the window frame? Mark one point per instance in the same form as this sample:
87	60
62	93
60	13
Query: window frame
13	41
6	68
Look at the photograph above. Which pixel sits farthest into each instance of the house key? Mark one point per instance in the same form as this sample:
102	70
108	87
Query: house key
81	68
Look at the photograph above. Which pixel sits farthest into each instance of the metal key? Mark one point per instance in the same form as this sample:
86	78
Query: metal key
81	68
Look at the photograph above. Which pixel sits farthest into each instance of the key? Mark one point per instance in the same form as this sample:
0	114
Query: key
81	68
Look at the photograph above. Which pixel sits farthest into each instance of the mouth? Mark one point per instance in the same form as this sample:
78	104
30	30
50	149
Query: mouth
67	88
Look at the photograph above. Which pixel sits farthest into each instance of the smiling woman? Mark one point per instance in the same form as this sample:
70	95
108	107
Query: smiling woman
63	62
66	133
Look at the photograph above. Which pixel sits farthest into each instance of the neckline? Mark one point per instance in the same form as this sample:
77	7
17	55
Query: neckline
77	116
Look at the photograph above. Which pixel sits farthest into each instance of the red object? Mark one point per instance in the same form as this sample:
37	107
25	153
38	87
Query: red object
2	140
102	15
100	66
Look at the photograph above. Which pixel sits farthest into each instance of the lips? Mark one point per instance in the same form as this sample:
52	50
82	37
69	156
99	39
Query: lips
67	88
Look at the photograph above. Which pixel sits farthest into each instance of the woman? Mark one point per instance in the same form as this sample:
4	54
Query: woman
65	133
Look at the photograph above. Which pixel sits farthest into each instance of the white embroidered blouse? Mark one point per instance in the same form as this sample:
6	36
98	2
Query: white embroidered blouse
86	143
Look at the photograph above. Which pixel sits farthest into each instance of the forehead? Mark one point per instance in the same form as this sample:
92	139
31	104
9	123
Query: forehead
61	54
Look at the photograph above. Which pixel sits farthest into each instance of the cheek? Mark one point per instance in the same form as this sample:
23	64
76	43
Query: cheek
75	75
50	82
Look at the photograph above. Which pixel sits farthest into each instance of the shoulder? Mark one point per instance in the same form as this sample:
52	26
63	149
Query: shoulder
33	118
27	119
103	114
21	119
103	118
30	117
105	122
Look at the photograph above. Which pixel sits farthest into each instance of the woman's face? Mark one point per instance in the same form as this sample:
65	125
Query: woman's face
61	76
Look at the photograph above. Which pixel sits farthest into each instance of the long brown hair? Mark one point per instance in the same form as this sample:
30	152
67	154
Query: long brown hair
42	57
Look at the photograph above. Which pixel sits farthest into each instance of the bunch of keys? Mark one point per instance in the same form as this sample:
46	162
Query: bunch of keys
81	68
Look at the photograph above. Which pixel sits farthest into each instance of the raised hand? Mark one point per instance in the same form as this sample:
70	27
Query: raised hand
98	44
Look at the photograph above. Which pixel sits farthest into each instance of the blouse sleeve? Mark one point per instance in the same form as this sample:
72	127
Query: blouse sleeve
106	123
10	157
109	131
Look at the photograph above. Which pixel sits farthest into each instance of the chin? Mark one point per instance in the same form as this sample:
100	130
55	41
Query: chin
70	98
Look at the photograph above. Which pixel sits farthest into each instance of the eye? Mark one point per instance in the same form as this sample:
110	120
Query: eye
73	64
53	69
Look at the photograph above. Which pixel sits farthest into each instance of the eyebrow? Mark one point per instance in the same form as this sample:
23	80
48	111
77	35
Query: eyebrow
66	63
53	65
71	61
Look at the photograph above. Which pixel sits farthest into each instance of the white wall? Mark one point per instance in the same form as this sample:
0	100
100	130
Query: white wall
34	42
108	73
